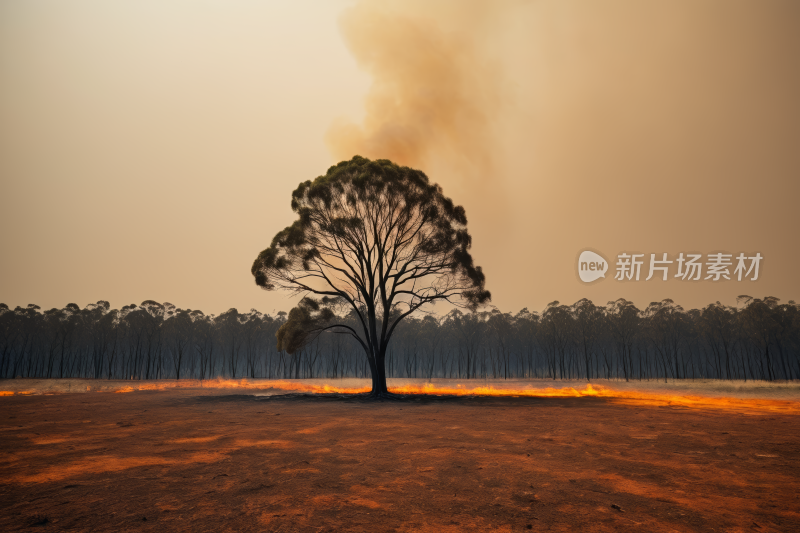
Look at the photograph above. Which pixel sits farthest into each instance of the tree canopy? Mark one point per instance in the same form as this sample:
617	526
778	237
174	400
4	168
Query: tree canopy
378	241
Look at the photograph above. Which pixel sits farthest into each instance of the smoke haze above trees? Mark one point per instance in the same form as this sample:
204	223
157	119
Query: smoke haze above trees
170	134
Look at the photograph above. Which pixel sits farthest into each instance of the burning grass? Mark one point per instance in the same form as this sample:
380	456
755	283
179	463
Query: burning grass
599	391
750	396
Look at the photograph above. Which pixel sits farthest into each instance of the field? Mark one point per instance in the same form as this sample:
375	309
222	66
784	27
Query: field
250	458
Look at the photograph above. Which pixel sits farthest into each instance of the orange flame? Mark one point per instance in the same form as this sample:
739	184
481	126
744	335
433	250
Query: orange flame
628	397
619	396
220	383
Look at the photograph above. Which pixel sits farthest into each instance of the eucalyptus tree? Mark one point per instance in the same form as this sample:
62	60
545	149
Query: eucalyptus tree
717	327
378	239
624	320
102	335
229	325
787	338
68	328
502	325
526	324
178	332
588	320
469	333
667	329
8	334
556	336
204	343
758	318
430	336
27	325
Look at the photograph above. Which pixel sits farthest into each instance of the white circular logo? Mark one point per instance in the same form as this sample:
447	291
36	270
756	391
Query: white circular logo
591	266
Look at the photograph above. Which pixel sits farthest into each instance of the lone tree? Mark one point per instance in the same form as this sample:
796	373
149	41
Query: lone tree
377	240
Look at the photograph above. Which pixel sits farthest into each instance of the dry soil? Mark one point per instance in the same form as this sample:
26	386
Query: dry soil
199	460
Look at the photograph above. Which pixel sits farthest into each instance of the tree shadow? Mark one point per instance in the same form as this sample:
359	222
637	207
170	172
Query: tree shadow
415	399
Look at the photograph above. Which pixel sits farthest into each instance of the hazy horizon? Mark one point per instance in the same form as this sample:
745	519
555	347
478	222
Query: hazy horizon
148	150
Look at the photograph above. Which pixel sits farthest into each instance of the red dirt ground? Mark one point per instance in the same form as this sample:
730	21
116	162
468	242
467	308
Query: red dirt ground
191	460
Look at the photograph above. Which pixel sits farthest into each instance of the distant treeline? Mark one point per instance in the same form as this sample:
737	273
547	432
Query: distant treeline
758	339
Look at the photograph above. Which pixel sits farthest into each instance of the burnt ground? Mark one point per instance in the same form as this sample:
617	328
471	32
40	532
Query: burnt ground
184	460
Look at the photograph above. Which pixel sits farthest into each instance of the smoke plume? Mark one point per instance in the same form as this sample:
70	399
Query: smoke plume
435	89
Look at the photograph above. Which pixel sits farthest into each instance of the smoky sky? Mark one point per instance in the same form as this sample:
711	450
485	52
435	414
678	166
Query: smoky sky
435	90
639	127
148	150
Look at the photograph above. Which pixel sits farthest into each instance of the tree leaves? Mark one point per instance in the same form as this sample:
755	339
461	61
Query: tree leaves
381	238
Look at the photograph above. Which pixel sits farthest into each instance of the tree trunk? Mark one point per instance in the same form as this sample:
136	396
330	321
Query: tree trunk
377	366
